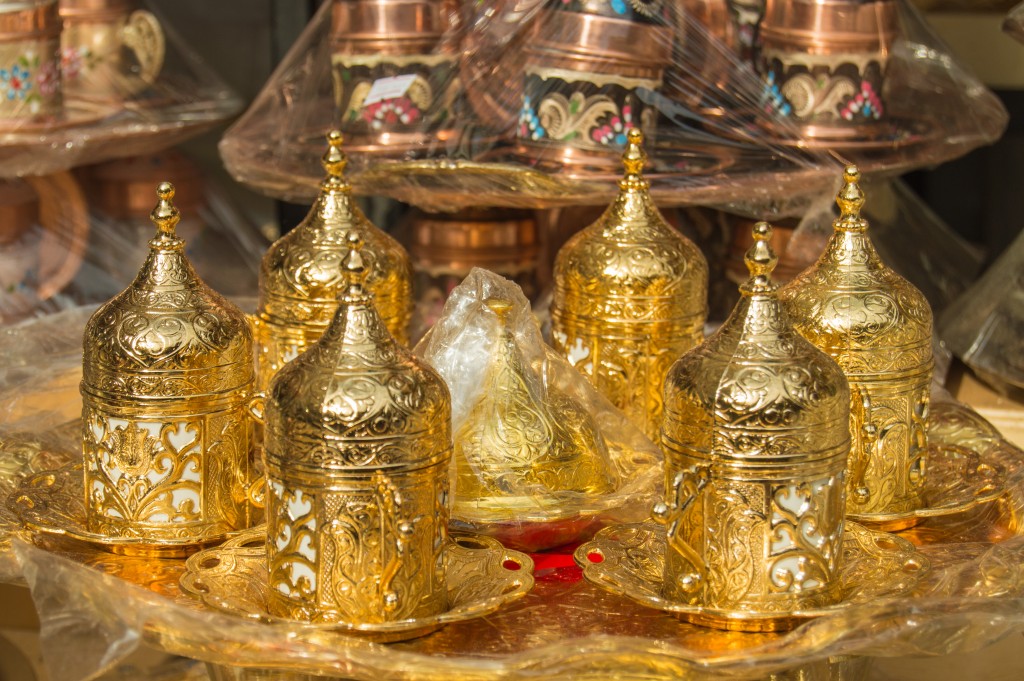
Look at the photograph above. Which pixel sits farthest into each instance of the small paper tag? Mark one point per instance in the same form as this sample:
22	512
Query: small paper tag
389	88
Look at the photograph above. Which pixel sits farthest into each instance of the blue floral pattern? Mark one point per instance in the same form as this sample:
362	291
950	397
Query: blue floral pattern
16	81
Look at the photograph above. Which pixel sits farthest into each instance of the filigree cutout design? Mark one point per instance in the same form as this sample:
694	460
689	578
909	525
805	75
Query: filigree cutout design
878	327
764	415
481	576
358	448
630	298
631	559
54	502
167	371
165	479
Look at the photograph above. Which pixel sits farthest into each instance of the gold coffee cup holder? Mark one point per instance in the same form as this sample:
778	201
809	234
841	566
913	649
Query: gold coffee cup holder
481	576
629	560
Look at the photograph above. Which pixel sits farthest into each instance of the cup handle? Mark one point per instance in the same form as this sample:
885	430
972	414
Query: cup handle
687	487
257	408
256	492
867	448
144	36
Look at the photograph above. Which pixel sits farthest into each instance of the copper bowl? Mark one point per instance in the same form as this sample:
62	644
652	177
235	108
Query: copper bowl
502	240
391	27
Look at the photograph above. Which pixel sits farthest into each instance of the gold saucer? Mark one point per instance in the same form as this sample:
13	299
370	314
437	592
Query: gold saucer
53	503
482	576
958	479
629	560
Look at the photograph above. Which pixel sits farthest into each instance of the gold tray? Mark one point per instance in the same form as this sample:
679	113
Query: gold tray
482	576
53	502
958	479
629	560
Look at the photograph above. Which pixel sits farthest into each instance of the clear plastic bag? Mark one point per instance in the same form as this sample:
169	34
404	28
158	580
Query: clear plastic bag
541	458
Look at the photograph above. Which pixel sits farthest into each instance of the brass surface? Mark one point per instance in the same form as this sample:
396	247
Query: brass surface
630	297
358	447
167	374
480	576
878	327
51	504
516	451
631	559
756	436
301	276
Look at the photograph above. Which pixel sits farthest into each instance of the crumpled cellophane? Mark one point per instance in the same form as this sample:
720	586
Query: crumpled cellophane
717	140
121	113
79	250
984	327
465	345
96	608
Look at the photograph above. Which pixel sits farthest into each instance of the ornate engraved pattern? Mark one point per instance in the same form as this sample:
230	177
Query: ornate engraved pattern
631	559
54	502
764	415
515	444
366	555
176	467
630	298
481	576
301	274
358	449
878	327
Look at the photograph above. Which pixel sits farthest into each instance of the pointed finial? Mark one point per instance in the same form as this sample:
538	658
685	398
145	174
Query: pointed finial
165	216
761	260
501	307
334	161
354	265
850	200
633	160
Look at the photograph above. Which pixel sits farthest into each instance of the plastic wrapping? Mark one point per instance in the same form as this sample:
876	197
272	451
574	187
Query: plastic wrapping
96	608
541	457
115	81
526	104
985	326
70	239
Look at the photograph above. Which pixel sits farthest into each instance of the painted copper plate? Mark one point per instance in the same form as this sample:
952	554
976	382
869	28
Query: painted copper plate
53	503
629	560
481	574
958	478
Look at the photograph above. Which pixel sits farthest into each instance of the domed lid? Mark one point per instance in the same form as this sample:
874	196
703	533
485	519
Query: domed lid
764	391
301	274
168	335
356	399
851	304
516	443
631	254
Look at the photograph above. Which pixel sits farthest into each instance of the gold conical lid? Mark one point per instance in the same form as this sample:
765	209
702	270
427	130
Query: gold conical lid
300	276
756	391
168	334
356	399
854	307
514	443
631	254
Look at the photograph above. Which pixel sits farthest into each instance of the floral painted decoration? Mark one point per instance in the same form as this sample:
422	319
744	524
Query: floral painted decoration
391	112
